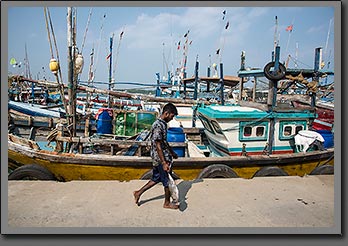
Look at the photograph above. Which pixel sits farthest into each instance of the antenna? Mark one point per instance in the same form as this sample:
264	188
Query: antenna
275	32
296	54
327	40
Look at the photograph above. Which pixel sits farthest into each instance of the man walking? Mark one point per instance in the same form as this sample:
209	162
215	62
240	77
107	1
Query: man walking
162	156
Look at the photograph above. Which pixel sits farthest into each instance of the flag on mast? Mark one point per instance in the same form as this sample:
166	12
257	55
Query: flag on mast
227	24
289	28
224	14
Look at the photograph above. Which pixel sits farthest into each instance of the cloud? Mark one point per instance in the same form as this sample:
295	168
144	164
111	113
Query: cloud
150	31
257	12
316	29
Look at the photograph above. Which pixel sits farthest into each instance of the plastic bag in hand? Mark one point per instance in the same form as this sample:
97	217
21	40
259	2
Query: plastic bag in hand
174	192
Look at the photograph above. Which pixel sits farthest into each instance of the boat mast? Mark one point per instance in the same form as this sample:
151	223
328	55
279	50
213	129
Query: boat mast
116	59
71	65
296	54
183	69
327	42
27	67
317	64
90	76
27	72
275	41
110	69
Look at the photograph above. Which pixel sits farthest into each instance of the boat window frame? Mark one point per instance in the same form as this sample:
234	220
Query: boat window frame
254	126
206	124
247	133
263	131
294	124
216	127
287	130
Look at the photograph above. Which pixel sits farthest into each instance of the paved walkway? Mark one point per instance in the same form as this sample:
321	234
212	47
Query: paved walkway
274	202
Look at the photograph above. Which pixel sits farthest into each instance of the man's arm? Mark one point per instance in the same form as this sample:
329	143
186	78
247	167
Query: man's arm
175	156
161	156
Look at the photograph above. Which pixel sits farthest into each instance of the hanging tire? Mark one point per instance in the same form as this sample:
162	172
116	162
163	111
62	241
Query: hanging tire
217	171
323	170
270	171
148	175
274	75
31	172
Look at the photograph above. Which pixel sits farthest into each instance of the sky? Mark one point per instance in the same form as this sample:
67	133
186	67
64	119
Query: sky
151	37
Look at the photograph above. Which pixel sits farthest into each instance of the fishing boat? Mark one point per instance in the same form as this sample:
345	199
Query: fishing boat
106	156
26	160
263	146
36	110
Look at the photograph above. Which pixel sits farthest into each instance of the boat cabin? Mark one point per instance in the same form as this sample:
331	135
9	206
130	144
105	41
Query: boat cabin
238	130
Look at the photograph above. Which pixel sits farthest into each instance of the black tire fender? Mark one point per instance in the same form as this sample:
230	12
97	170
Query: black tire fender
217	171
31	172
323	170
148	175
274	75
270	171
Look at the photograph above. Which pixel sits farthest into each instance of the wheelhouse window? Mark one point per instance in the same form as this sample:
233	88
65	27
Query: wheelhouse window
260	131
216	127
298	128
206	124
247	131
288	129
253	131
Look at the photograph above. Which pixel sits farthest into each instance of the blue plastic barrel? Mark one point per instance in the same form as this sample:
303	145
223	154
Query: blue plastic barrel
104	122
328	137
176	134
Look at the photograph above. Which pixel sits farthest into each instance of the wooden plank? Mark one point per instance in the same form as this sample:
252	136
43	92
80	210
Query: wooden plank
104	141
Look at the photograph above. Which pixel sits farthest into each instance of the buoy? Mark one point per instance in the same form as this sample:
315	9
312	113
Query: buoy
79	63
54	65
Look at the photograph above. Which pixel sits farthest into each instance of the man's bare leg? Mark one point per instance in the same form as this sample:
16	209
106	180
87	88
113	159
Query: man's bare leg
167	203
138	193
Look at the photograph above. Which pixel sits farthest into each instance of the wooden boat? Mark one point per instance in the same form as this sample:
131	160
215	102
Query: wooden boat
28	161
36	110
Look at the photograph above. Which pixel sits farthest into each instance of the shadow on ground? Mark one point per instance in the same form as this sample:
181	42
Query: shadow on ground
184	187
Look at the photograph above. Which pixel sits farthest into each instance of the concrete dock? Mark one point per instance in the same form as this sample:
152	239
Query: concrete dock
259	202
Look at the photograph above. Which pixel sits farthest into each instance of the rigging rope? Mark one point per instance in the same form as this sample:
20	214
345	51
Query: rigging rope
84	37
298	61
61	86
55	46
98	47
117	53
252	123
48	33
